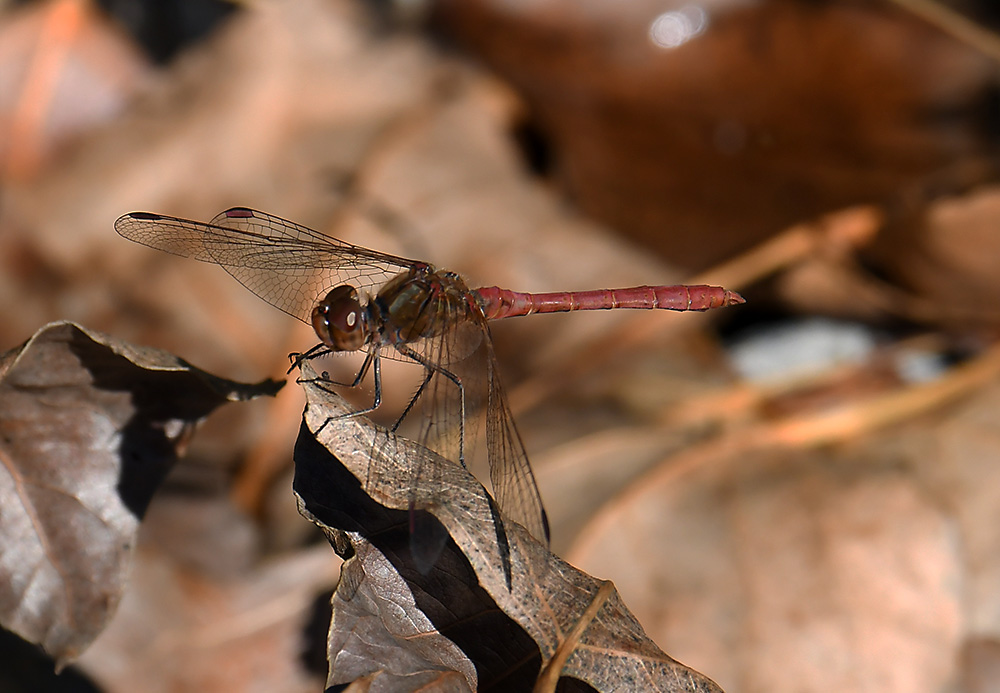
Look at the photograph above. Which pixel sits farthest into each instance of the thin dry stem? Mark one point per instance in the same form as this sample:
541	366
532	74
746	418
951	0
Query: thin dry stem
813	430
955	25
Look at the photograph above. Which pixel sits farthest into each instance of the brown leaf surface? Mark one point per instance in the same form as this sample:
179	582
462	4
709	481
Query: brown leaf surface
773	113
90	426
178	629
782	557
856	531
278	105
552	616
941	252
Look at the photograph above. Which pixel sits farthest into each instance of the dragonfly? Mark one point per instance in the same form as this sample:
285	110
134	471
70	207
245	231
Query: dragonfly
393	307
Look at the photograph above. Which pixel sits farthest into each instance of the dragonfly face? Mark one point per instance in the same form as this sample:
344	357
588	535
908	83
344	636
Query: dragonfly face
339	320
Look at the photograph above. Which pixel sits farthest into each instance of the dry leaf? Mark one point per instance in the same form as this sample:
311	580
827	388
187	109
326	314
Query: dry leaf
180	630
768	114
552	620
89	427
942	253
799	557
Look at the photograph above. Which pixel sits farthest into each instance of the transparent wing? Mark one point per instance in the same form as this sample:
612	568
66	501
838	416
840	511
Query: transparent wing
288	265
510	472
465	351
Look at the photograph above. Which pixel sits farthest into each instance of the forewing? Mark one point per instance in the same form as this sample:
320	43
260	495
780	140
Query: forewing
288	265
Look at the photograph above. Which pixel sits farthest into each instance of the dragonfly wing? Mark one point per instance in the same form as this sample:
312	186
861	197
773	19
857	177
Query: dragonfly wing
289	266
465	353
510	471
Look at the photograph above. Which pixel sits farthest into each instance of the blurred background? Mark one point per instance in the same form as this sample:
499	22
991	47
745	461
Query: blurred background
798	494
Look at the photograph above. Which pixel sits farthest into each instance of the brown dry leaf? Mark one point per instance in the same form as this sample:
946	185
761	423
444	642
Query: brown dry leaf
878	554
803	559
552	621
956	459
929	263
942	253
90	426
770	112
181	630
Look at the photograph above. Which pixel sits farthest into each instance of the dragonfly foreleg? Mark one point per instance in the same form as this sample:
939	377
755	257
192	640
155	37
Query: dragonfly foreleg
372	358
373	361
362	372
297	359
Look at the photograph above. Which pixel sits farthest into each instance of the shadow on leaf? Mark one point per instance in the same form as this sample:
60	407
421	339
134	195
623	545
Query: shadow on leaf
457	626
89	427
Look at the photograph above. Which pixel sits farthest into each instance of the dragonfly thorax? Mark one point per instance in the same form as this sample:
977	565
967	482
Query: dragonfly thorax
420	304
339	320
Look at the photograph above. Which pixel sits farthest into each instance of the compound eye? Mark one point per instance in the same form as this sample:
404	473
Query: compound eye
338	320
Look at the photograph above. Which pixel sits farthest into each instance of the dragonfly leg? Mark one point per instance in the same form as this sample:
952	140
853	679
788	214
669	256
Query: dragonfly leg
297	359
429	370
362	372
373	361
428	374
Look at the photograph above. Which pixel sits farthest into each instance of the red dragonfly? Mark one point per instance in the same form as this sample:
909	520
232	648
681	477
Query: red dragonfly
356	298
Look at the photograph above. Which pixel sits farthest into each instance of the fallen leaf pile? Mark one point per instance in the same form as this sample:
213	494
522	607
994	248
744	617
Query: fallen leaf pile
832	528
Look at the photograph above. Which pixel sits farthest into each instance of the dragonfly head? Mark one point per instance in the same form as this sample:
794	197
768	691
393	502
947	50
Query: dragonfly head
339	321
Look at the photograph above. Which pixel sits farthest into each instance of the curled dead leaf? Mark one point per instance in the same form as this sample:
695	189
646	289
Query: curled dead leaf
404	628
89	427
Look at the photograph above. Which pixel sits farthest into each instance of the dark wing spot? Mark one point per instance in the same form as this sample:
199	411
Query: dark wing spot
239	213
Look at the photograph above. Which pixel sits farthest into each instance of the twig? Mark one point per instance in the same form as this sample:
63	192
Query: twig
955	25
